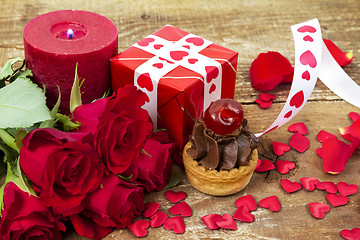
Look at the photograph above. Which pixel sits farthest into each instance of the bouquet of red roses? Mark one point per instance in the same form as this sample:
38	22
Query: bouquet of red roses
89	169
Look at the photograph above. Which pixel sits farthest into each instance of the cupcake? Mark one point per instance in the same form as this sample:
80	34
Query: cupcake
221	154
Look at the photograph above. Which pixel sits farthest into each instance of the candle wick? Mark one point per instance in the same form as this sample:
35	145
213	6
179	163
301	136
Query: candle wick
70	34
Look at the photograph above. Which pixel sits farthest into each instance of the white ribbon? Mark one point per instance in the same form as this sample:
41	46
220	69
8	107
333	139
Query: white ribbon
313	60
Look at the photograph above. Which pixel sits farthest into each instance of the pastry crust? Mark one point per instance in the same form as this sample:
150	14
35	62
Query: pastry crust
218	183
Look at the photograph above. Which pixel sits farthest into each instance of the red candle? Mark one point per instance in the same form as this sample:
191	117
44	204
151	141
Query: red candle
54	42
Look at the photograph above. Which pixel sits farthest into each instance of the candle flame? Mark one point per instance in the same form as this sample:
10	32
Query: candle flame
70	33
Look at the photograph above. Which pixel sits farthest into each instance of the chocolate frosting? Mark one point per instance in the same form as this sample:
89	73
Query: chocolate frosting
222	152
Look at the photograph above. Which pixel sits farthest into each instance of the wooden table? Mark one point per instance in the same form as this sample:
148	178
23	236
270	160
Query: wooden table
249	27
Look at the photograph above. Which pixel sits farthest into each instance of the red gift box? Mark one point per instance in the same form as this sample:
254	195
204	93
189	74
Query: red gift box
180	87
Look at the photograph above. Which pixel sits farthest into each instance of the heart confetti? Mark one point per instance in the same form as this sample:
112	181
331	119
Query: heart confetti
299	142
271	203
329	187
318	210
158	219
175	197
299	127
181	208
226	221
284	166
309	183
243	214
290	186
353	234
150	208
247	201
266	96
210	220
138	228
175	223
263	104
347	189
336	200
266	165
280	148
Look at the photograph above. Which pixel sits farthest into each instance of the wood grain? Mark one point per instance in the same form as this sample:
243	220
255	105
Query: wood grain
249	27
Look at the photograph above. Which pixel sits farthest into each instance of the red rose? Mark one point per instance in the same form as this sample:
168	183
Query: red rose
63	168
152	169
123	128
24	217
116	204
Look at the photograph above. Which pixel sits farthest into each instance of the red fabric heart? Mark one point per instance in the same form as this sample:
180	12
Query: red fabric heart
192	60
266	165
138	228
178	55
299	127
342	58
299	142
212	88
284	166
158	219
144	81
271	203
307	38
226	221
351	132
175	197
243	214
150	208
336	200
347	189
268	70
211	73
290	186
181	208
329	187
145	42
175	223
196	41
306	28
297	100
263	104
322	135
210	220
280	148
353	234
309	183
266	96
318	210
247	201
306	75
158	65
158	46
307	58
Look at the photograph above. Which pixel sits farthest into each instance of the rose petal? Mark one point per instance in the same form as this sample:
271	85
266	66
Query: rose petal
322	135
299	127
299	142
353	234
354	116
263	104
268	70
349	133
342	58
318	210
280	148
266	165
284	166
266	96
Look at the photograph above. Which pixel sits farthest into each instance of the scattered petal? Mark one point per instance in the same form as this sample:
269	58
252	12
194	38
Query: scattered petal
347	189
271	203
266	165
247	201
299	127
329	187
150	208
309	183
322	135
158	219
138	228
318	210
263	104
299	142
175	197
284	166
351	132
243	214
342	58
353	234
268	70
290	186
266	96
175	223
181	208
336	200
280	148
354	116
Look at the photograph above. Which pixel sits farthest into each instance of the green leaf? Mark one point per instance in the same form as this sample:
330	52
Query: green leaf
51	123
66	122
174	179
7	70
75	96
9	154
19	136
22	103
21	74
